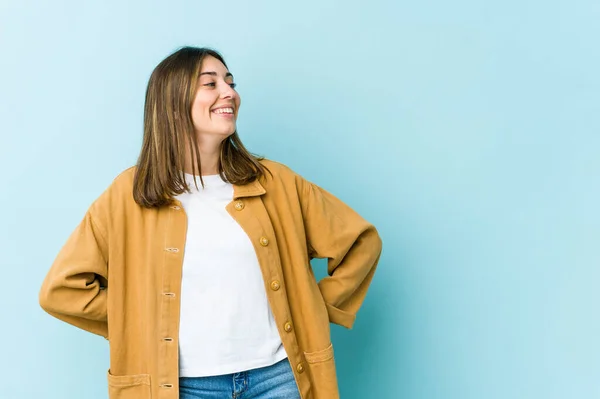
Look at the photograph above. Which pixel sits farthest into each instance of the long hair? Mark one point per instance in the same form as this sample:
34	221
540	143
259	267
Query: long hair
169	133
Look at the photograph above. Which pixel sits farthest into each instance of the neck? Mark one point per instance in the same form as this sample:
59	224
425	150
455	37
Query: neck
210	154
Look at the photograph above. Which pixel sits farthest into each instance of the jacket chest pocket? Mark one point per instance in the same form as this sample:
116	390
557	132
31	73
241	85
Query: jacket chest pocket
129	386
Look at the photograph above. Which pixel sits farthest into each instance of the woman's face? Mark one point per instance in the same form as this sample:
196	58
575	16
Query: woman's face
215	107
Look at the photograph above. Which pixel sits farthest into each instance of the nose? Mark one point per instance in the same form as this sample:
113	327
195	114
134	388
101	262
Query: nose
227	91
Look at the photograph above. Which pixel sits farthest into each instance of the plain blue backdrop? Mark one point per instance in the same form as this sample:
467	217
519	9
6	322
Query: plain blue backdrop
468	132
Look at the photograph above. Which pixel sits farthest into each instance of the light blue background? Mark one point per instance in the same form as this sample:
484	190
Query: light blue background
467	131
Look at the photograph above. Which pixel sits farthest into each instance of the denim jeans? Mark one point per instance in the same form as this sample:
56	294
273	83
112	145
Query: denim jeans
272	382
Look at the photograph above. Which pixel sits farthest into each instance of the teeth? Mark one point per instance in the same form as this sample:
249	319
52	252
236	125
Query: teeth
223	111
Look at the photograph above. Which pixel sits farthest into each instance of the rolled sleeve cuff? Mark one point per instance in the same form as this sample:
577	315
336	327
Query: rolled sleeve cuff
340	317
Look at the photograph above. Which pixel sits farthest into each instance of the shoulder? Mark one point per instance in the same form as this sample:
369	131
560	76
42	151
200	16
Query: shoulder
283	183
122	185
118	193
124	180
279	171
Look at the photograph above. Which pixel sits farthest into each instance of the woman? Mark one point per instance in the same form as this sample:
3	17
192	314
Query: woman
205	290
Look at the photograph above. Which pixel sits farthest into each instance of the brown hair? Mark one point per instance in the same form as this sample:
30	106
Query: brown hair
169	133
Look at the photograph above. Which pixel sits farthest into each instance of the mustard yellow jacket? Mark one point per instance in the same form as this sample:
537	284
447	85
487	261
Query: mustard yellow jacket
119	276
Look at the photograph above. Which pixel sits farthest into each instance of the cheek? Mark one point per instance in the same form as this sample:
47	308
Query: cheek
200	111
197	116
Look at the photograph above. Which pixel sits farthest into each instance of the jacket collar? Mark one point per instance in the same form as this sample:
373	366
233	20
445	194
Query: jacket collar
251	189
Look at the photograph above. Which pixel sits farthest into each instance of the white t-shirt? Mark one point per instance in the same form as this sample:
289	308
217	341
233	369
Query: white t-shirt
226	323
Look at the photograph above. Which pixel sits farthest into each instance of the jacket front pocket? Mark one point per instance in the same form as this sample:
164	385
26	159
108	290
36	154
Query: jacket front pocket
129	386
321	366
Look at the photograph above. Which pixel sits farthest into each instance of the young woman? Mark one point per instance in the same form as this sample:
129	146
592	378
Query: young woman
195	262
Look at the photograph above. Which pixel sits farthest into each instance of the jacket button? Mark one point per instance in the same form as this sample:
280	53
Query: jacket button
300	368
288	327
275	285
174	250
239	205
264	241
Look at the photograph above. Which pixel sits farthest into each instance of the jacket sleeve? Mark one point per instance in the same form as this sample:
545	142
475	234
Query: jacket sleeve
351	244
74	289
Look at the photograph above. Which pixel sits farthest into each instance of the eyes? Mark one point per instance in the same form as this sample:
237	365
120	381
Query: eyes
214	84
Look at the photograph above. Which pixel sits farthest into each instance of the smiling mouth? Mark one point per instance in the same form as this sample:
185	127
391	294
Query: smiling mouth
221	111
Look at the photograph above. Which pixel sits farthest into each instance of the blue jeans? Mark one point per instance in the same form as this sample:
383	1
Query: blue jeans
272	382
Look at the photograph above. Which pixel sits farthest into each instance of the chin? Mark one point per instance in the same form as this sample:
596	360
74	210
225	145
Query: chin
227	133
214	134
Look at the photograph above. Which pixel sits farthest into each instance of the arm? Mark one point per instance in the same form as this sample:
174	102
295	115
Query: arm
74	289
351	244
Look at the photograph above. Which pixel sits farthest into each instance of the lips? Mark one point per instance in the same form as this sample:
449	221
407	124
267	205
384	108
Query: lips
223	110
228	108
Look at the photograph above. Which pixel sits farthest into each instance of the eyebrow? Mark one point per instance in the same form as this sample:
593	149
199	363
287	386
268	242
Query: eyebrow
212	73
